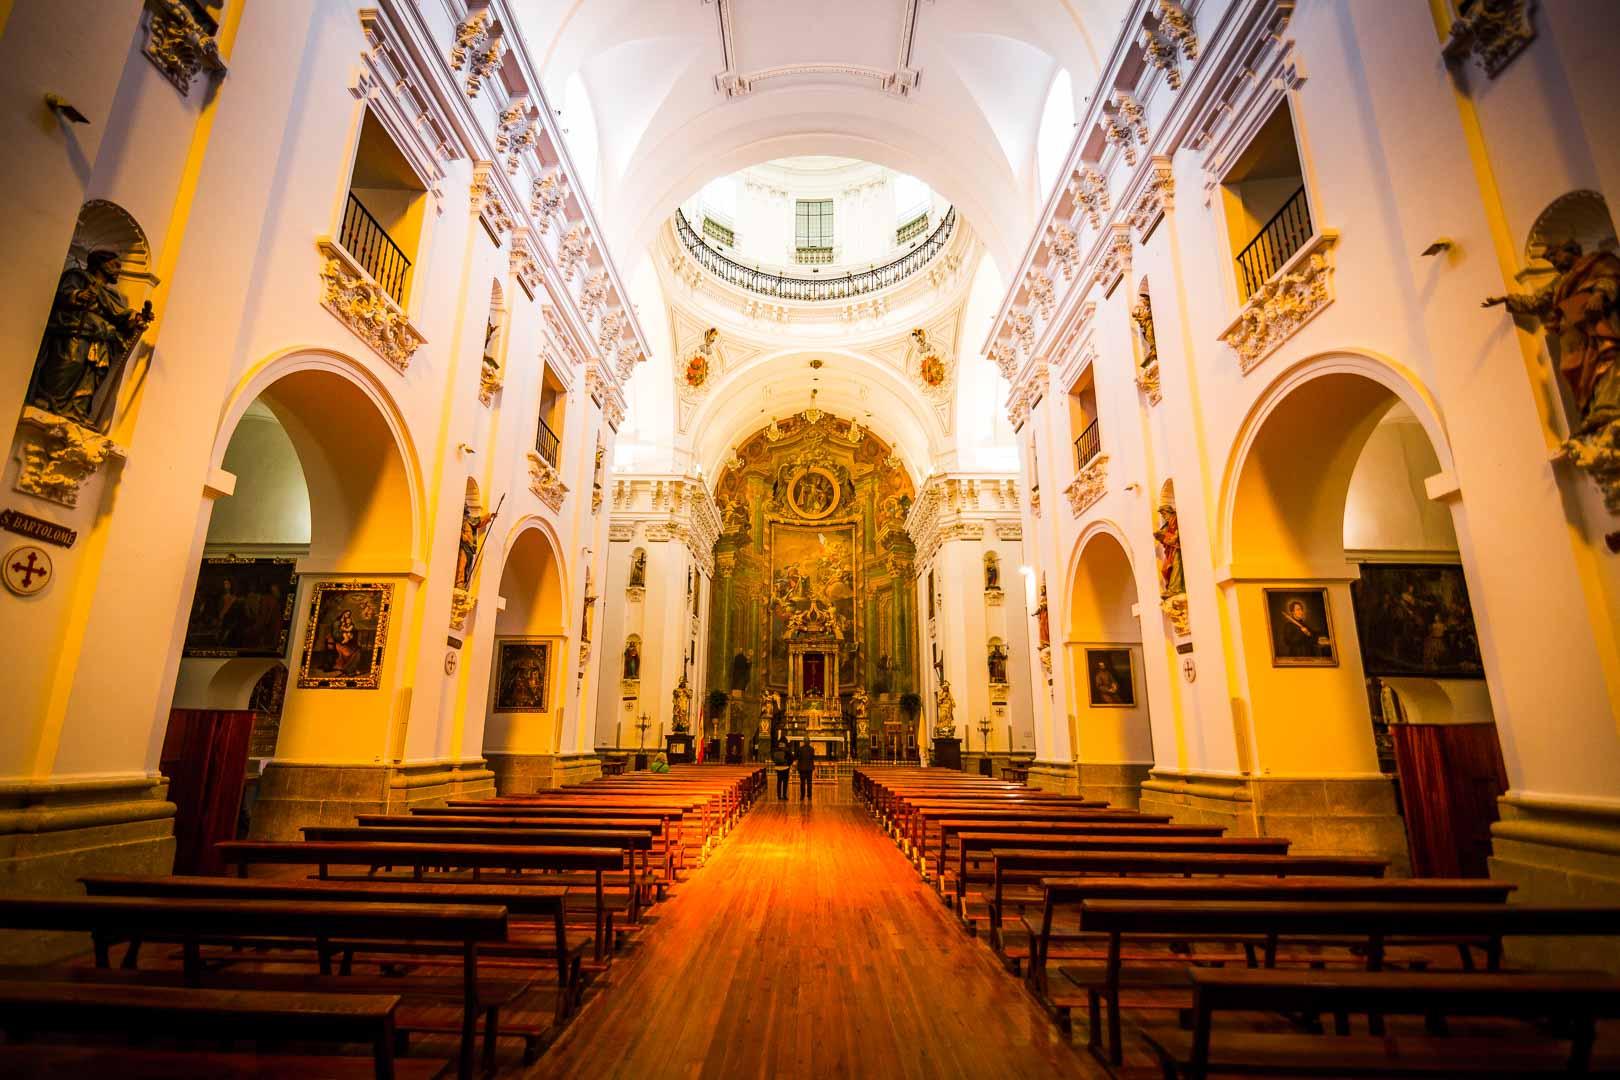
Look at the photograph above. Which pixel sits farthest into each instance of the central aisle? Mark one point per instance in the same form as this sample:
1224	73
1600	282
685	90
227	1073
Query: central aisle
808	947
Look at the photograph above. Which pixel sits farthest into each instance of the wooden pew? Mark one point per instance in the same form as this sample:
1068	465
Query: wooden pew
419	856
630	843
112	919
182	1014
661	849
1223	845
918	816
699	827
541	905
1576	1000
972	836
1377	923
668	818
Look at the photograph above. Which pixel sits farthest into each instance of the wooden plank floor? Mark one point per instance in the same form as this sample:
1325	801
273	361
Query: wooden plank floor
807	947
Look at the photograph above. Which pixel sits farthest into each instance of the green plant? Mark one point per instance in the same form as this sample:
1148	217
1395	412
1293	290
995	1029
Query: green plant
716	701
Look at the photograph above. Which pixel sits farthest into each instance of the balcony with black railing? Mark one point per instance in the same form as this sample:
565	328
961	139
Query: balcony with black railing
1277	242
368	242
842	286
1087	446
547	444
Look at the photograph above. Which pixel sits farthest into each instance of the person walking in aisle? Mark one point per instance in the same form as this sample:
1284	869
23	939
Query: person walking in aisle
782	762
807	768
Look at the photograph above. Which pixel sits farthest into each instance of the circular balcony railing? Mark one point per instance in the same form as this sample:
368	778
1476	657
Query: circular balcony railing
832	287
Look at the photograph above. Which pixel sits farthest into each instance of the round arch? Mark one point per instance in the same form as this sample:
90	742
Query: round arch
362	496
529	547
1098	531
725	419
1316	416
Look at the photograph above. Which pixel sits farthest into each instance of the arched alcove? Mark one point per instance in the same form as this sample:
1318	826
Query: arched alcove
524	730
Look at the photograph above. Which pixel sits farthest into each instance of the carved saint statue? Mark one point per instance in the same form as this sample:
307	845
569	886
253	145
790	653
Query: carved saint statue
992	571
945	710
587	616
1582	306
492	366
632	659
769	704
998	663
638	571
681	710
859	705
1043	616
1142	316
88	337
1172	580
474	527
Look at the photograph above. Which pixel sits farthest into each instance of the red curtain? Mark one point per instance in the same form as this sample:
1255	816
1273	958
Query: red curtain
205	758
1451	776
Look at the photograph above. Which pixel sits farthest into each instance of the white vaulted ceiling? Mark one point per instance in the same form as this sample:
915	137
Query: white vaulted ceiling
682	91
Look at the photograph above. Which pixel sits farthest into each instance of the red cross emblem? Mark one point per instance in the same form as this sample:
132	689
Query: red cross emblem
27	569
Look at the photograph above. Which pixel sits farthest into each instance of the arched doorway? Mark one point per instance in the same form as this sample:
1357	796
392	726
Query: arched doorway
1112	738
307	564
523	735
1350	597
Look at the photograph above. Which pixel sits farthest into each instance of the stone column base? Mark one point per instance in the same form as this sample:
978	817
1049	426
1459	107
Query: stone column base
522	774
52	834
292	795
1559	851
1062	777
1350	816
1119	784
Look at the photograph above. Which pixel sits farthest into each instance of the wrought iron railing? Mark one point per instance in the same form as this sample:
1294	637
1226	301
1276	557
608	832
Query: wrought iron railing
911	229
1087	446
842	287
1277	242
364	238
719	233
546	443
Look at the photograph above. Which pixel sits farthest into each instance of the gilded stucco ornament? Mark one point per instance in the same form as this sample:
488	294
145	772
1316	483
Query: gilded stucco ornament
56	456
1090	192
1491	31
545	482
1040	293
1002	355
178	45
1065	249
365	308
572	252
1089	486
477	49
1278	308
546	201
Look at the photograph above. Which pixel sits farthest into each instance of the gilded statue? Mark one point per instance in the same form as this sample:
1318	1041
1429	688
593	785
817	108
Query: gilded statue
1172	578
1580	307
474	527
88	337
769	703
945	710
638	571
681	710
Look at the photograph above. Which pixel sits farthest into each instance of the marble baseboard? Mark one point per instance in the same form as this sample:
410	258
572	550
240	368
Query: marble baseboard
1559	851
1062	777
52	834
1118	785
294	795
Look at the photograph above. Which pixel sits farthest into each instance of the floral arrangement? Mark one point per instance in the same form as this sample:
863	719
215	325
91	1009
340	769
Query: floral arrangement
697	371
932	370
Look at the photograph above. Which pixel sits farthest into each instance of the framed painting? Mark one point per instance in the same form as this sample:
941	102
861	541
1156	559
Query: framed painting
1110	678
343	640
522	674
243	607
1415	619
1301	626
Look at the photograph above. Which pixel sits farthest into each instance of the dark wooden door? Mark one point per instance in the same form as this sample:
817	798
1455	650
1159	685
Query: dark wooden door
1451	776
205	758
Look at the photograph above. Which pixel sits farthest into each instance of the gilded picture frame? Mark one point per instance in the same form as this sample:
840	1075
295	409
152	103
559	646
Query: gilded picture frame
345	635
522	681
1111	678
1300	621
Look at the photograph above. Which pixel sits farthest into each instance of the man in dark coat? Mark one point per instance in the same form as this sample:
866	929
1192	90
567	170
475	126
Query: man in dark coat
807	767
782	761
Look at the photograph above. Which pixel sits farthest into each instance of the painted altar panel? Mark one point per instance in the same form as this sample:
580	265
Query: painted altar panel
810	563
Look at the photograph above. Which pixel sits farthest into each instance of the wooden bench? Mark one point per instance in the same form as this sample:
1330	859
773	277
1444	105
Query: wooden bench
541	905
1376	923
419	856
635	846
664	835
109	920
1015	774
29	1009
915	823
1576	1001
667	818
1145	842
